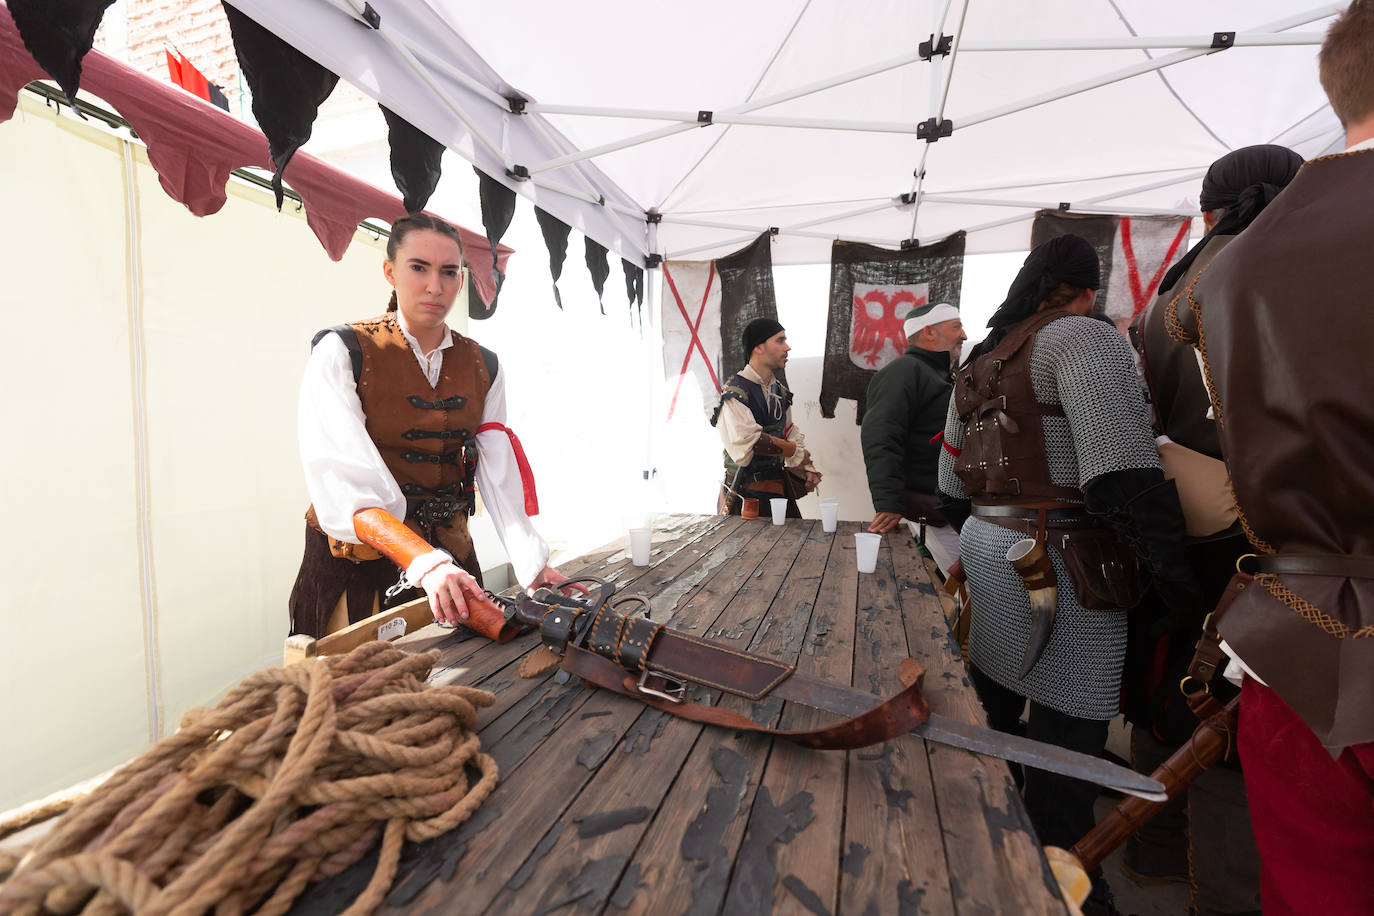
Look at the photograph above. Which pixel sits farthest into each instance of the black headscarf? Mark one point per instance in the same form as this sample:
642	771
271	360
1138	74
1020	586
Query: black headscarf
1063	259
1244	182
758	331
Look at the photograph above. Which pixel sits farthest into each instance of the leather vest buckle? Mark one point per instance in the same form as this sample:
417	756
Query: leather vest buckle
454	403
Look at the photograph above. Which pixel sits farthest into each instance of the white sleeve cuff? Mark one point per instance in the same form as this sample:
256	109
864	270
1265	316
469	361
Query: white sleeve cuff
423	564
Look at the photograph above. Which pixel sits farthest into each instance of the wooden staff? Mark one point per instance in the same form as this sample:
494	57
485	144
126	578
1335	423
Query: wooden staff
1209	743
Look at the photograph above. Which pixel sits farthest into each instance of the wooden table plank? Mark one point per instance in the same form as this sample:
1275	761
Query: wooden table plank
995	863
605	805
606	822
890	802
785	863
687	854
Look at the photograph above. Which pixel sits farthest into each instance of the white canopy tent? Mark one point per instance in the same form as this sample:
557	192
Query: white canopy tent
726	119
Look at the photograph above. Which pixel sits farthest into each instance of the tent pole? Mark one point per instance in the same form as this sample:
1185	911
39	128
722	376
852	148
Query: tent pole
631	235
939	109
808	89
653	346
1050	205
1148	66
355	9
1242	40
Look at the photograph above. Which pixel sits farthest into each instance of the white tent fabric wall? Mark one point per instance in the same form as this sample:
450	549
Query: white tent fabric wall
154	498
1114	105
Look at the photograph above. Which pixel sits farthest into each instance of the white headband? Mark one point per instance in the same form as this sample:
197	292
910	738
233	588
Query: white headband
934	315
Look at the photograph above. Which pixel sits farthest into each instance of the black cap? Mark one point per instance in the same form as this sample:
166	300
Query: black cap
758	331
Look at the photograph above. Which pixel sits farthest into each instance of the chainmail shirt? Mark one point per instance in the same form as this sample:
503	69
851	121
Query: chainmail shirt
1084	365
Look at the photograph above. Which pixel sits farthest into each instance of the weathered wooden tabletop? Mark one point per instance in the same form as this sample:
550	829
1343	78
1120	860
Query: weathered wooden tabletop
606	806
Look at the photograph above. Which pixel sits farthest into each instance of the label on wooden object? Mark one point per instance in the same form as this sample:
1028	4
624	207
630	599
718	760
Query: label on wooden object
392	629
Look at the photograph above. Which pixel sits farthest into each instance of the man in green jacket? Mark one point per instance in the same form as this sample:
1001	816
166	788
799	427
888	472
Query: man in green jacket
901	435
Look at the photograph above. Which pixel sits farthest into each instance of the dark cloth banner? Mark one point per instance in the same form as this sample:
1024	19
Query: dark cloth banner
746	293
415	160
288	89
58	35
1134	251
871	291
705	306
598	266
555	233
498	209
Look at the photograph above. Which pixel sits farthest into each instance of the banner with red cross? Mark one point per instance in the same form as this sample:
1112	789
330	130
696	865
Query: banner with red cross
706	305
871	292
1134	251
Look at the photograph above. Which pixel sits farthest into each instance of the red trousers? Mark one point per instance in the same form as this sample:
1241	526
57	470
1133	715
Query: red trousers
1313	816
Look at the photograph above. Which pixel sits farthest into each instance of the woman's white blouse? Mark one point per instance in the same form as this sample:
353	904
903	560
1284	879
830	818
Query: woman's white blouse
344	472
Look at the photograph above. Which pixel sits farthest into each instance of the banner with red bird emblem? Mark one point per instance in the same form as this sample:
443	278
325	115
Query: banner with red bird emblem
871	292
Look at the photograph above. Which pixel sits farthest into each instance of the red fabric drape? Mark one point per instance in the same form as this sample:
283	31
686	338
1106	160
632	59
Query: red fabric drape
194	146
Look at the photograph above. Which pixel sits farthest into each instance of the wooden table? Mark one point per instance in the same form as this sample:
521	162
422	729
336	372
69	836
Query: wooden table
608	806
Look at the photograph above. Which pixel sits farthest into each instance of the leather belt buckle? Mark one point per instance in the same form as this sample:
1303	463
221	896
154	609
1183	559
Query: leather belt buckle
674	691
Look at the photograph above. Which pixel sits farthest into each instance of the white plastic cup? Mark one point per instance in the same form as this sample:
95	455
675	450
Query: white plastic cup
779	510
866	550
830	515
640	540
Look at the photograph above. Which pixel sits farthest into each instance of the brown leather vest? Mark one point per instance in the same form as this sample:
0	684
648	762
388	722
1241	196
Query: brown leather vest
1180	400
421	432
1285	335
1003	460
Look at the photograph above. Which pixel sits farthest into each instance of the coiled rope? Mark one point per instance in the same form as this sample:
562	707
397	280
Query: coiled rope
292	778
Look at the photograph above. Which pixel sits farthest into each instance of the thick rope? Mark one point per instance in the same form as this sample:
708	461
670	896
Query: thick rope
292	778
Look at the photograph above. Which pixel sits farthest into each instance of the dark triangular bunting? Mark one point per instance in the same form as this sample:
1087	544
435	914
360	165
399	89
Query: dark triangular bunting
634	287
556	238
414	160
58	33
599	267
498	209
288	89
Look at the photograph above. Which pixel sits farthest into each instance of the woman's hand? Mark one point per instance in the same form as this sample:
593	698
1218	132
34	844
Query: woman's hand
552	578
449	589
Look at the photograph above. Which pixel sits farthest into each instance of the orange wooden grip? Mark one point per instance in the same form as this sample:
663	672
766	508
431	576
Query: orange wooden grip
384	531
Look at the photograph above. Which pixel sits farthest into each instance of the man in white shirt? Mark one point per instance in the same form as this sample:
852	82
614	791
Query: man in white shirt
765	453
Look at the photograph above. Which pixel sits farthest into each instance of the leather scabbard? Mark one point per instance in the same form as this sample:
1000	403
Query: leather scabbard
636	643
889	719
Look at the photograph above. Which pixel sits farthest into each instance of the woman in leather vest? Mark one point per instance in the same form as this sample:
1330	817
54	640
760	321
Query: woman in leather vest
401	421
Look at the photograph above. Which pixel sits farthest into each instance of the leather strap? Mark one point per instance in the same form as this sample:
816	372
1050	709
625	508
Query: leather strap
690	658
1317	564
764	486
1025	512
1209	659
889	719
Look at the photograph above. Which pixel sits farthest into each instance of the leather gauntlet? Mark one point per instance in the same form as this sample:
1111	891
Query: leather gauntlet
768	446
389	536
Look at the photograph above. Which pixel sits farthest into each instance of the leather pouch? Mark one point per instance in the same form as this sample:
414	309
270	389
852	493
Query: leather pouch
343	550
1103	568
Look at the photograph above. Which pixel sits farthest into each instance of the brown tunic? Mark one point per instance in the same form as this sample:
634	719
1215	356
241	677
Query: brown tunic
1285	312
420	433
1180	399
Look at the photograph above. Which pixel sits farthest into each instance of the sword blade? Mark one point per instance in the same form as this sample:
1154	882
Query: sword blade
850	701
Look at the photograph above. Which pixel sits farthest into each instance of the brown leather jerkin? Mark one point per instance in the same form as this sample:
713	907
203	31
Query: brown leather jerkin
1282	312
1003	461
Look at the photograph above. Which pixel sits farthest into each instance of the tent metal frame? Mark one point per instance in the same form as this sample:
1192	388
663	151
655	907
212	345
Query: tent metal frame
628	219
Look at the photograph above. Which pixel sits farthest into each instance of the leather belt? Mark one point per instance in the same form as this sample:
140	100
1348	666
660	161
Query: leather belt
1317	564
1025	512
